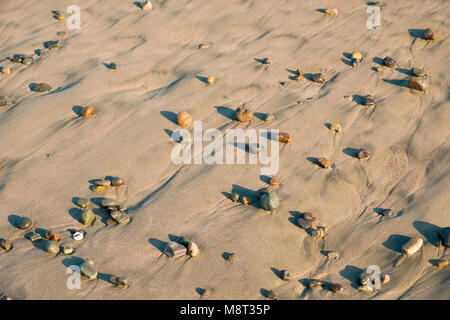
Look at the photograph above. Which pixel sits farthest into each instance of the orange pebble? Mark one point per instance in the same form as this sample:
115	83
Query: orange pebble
87	112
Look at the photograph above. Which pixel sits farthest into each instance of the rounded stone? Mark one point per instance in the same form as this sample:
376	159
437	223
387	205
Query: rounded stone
335	287
103	183
109	203
418	72
117	182
284	275
269	201
88	270
389	62
324	163
318	77
418	84
83	203
52	247
308	216
234	197
120	282
303	223
25	224
6	244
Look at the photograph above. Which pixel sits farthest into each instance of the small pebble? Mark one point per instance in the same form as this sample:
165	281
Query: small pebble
309	216
271	295
79	235
412	246
442	264
32	236
303	223
275	181
193	250
25	224
243	114
120	282
234	197
120	217
231	257
332	12
54	44
110	222
246	200
67	250
88	270
314	284
117	182
6	70
3	101
61	33
184	119
83	203
389	62
204	292
87	111
285	138
385	278
174	250
109	203
6	244
147	5
52	236
335	287
285	275
41	87
318	77
333	255
211	80
368	101
269	201
27	61
418	84
336	127
379	69
418	72
431	34
104	183
204	46
269	118
87	217
362	154
318	233
265	61
324	163
51	247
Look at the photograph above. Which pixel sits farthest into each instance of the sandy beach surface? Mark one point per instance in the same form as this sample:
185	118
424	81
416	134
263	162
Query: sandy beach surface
50	155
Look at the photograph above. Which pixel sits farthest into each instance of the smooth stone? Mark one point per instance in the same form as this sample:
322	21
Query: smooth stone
87	217
103	183
109	203
269	201
67	250
6	244
120	217
25	224
88	270
193	249
27	61
444	234
442	263
234	197
79	235
117	182
308	216
41	87
389	62
32	236
54	44
318	77
284	275
270	118
271	295
111	222
52	247
3	101
362	154
83	203
303	223
120	282
324	163
174	250
418	84
412	246
418	72
335	287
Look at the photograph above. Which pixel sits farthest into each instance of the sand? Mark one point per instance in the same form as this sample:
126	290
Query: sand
50	154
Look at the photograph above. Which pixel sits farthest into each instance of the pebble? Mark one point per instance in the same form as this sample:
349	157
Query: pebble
204	46
363	154
104	183
431	34
110	222
41	87
52	236
51	247
211	80
147	5
32	236
68	250
3	101
87	217
109	203
184	119
442	263
243	114
303	223
120	217
53	44
269	118
309	216
98	188
333	255
83	203
6	244
336	127
193	250
324	163
87	111
332	12
318	233
174	250
275	181
368	101
234	197
119	282
412	246
6	70
117	182
284	275
247	200
88	270
269	201
298	75
285	138
112	66
25	224
204	292
27	61
314	284
318	77
418	84
17	58
79	235
379	68
357	55
58	16
265	61
387	213
61	33
389	62
418	72
385	278
335	287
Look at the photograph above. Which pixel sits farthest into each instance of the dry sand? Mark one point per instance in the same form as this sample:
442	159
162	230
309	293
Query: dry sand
49	154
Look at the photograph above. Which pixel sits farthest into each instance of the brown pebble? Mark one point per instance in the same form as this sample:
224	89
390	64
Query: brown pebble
418	84
87	111
61	33
285	138
442	264
204	292
314	283
303	223
332	12
117	182
52	236
211	80
110	222
363	154
389	62
318	77
204	46
324	163
431	34
275	181
309	216
336	287
336	127
231	257
6	244
285	275
243	115
271	295
385	278
184	119
246	200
